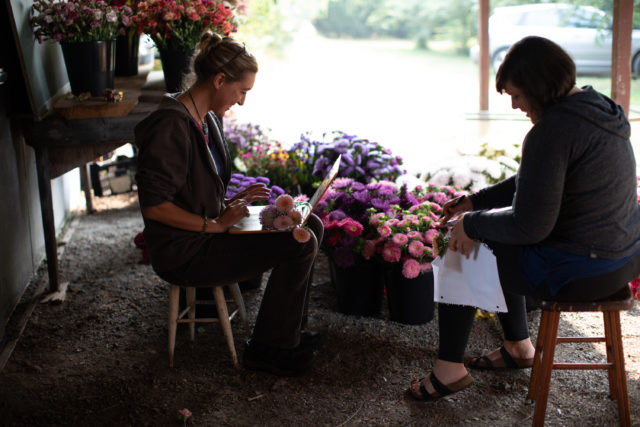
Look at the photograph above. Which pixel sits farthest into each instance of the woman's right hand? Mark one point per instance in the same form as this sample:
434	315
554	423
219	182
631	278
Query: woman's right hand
454	207
233	212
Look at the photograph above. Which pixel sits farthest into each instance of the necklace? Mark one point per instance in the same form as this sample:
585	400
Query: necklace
203	123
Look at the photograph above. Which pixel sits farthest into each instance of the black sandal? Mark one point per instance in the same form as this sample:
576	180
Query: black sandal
441	390
505	362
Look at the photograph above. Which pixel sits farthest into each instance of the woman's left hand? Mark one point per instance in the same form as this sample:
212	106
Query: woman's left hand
459	241
252	193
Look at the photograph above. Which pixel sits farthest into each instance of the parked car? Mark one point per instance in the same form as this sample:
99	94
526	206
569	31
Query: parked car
583	31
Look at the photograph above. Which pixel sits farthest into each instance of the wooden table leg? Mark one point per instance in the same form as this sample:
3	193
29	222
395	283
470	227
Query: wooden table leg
48	223
85	184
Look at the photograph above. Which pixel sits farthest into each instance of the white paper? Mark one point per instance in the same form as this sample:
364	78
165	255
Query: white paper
473	281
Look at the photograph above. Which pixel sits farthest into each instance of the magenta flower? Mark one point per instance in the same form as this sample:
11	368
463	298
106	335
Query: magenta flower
429	235
384	230
425	266
411	268
295	216
414	235
391	253
301	234
282	222
416	248
284	203
351	227
400	239
369	249
375	219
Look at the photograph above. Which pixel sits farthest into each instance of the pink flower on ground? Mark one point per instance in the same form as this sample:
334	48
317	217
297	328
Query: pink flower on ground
282	222
351	227
295	216
384	231
416	248
284	203
391	253
400	239
429	235
301	234
410	268
369	249
635	288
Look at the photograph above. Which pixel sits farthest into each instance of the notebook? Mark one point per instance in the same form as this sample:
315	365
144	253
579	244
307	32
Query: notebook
251	224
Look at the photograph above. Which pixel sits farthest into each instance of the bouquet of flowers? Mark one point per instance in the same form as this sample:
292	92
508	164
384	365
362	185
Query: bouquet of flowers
345	210
407	236
283	216
78	20
362	159
178	24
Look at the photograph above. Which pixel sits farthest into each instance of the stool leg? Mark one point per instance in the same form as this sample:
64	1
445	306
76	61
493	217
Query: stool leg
191	303
223	316
542	384
609	336
624	411
174	296
237	297
535	370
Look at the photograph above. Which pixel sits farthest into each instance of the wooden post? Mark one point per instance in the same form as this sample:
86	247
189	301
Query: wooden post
483	56
621	52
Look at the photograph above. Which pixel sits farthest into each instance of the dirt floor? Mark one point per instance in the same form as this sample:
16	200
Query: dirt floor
100	358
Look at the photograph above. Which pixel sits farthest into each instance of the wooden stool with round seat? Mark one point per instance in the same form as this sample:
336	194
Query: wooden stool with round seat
543	362
224	317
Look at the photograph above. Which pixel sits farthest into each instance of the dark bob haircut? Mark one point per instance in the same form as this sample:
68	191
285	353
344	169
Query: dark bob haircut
540	68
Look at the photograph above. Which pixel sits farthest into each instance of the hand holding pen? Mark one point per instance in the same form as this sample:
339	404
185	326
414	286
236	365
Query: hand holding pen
454	207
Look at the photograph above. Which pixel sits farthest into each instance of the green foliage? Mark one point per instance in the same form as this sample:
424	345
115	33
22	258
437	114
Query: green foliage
350	18
261	27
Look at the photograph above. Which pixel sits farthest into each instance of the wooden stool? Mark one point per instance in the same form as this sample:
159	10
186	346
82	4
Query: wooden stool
224	317
548	337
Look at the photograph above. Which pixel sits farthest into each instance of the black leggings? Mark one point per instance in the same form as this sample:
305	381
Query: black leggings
455	321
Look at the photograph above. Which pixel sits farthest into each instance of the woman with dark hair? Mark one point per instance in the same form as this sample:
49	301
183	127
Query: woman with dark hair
570	224
183	172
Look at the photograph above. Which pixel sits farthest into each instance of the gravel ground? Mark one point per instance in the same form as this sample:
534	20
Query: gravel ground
100	357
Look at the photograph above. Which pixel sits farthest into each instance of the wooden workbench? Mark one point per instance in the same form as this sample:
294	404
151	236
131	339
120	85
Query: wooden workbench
78	132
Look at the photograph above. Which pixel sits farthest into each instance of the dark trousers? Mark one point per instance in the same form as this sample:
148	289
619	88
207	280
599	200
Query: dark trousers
229	258
455	321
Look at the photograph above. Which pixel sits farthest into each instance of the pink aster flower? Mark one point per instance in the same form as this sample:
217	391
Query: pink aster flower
391	253
425	266
400	239
351	227
384	230
284	203
416	248
410	268
429	235
414	235
282	222
375	219
301	234
369	249
295	216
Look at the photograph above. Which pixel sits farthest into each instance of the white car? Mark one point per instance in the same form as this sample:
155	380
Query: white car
583	31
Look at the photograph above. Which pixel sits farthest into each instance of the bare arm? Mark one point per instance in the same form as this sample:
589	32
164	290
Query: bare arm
170	214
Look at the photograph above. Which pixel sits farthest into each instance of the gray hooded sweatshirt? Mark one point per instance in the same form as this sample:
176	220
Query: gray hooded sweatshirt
576	186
